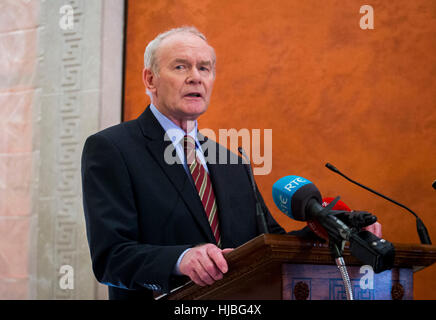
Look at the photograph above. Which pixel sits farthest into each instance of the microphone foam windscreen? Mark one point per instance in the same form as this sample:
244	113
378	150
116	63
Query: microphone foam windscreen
291	195
301	199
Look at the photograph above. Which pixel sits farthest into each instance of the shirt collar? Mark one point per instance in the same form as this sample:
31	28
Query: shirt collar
174	132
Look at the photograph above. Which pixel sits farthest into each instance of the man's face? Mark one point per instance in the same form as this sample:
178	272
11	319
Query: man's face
183	84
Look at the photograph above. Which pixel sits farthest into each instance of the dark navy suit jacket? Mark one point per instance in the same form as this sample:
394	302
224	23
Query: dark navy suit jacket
142	213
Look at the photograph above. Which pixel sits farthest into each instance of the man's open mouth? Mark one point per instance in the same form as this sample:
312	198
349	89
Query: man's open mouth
193	95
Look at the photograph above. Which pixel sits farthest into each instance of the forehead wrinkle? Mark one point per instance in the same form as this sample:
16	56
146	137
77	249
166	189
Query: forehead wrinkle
181	47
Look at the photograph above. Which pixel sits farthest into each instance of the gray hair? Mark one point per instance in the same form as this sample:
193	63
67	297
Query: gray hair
150	61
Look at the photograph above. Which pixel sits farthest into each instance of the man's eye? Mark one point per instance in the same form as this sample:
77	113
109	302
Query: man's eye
179	67
204	69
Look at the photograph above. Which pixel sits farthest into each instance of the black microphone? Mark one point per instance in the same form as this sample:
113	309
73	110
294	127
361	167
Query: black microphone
422	230
364	245
434	185
261	221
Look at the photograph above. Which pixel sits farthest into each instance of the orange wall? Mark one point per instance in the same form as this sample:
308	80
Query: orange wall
330	92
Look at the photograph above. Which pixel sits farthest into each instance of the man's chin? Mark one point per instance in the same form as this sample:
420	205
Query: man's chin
193	112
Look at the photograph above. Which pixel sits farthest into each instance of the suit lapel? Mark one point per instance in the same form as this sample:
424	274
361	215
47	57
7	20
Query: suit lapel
157	145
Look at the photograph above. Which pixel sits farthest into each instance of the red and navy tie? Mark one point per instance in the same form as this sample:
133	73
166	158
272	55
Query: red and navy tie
203	184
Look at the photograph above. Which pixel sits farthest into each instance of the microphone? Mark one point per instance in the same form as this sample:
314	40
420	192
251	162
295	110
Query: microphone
422	230
316	227
355	219
300	200
261	221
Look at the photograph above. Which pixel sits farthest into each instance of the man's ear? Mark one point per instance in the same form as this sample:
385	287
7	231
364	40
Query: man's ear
148	79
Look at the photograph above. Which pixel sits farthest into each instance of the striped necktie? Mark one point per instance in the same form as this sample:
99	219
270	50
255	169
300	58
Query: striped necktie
203	184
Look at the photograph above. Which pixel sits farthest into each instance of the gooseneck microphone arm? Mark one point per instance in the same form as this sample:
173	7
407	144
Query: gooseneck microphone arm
261	220
334	169
422	230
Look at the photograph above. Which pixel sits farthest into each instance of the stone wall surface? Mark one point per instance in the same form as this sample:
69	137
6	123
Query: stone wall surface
19	21
52	96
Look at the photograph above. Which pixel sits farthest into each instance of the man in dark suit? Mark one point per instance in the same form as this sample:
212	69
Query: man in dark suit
151	223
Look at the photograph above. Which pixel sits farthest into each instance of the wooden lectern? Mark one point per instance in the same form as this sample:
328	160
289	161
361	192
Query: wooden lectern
284	267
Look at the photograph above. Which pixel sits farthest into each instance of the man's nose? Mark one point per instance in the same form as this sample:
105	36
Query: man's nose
194	76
